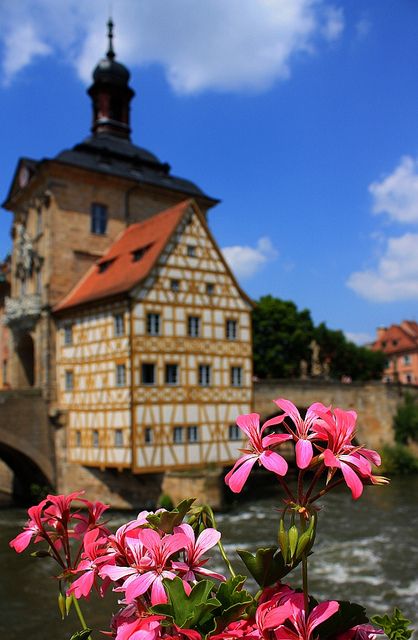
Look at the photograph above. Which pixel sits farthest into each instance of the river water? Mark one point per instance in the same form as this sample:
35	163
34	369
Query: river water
366	551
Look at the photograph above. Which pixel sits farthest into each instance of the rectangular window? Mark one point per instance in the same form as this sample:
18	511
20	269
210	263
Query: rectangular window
231	329
38	281
175	285
234	432
236	376
68	334
4	372
193	326
191	250
78	438
95	438
192	434
69	381
407	359
178	435
408	378
120	375
98	218
148	373
118	438
118	324
204	375
171	374
210	288
148	435
153	324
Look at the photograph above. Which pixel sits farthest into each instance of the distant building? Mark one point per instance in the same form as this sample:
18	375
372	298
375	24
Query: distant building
5	337
399	343
122	309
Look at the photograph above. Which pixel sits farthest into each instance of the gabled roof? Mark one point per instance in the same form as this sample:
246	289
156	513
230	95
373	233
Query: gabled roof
128	261
398	338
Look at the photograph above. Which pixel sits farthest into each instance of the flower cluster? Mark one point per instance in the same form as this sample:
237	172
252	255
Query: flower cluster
156	565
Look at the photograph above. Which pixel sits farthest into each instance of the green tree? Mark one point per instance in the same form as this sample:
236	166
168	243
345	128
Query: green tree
405	422
345	358
281	338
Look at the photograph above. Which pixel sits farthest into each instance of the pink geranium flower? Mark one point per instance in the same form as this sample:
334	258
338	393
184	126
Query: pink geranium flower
290	621
94	555
33	528
194	550
149	565
258	451
304	432
354	462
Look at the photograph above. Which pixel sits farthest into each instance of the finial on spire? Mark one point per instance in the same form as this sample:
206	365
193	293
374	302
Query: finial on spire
110	52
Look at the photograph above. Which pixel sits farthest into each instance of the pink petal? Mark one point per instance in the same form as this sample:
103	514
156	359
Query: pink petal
116	573
290	409
274	462
158	594
187	530
275	438
352	480
237	477
149	538
249	423
82	586
21	541
322	612
330	460
273	421
207	539
371	455
210	574
140	585
304	453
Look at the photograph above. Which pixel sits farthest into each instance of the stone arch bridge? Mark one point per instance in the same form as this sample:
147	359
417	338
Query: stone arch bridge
27	438
376	403
28	434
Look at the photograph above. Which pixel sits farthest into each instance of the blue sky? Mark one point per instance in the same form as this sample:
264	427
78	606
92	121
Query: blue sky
301	115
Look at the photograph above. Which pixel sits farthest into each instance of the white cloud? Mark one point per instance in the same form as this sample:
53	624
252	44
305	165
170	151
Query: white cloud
359	338
22	45
215	44
395	276
246	261
334	23
397	194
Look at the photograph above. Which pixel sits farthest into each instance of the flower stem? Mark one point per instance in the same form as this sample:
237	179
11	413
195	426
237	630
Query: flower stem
313	483
220	545
326	490
80	615
304	570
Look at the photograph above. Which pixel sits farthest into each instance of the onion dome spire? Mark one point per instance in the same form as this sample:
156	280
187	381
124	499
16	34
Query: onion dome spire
111	94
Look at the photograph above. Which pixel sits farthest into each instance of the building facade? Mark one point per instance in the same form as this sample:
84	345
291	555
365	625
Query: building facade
399	343
149	372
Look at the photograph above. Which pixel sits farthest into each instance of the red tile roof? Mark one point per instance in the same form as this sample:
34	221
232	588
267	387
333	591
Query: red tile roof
398	338
118	271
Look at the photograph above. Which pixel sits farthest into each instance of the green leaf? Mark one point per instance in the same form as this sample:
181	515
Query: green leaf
167	520
396	626
349	615
266	566
188	611
81	635
233	598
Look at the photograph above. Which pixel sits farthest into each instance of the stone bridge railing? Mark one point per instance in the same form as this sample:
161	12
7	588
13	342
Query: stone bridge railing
376	403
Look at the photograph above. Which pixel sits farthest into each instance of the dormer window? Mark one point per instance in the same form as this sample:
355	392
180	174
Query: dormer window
139	253
98	218
104	265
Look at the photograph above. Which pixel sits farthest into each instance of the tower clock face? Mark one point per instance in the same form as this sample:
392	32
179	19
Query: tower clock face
23	177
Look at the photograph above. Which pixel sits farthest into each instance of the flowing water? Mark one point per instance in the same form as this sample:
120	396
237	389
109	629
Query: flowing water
366	551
